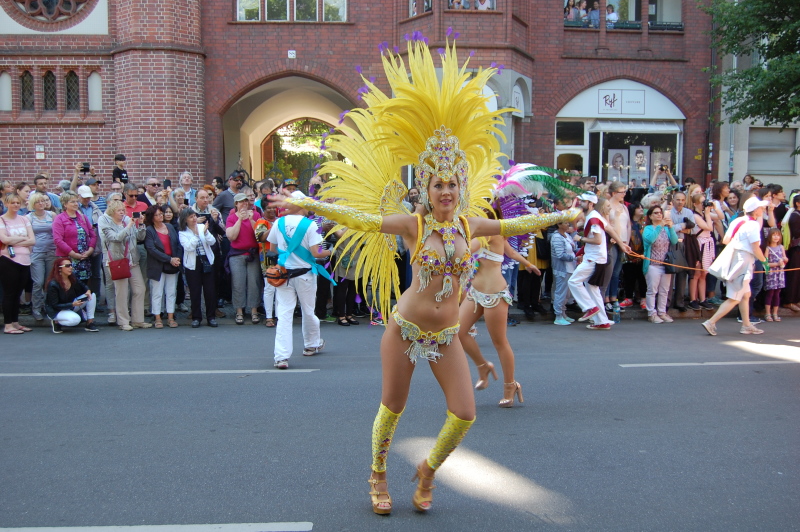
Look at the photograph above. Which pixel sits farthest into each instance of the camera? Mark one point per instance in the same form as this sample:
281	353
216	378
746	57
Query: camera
137	215
708	203
663	167
85	168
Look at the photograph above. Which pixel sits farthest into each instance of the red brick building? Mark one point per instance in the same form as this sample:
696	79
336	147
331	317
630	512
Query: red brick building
197	85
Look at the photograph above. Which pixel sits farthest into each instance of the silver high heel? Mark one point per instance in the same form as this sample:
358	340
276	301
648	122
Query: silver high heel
510	389
483	381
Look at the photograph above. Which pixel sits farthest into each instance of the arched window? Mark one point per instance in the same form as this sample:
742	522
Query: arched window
50	92
95	92
5	91
73	92
26	91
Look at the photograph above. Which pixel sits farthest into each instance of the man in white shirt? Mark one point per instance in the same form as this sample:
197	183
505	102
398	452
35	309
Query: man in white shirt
186	183
594	252
302	283
745	238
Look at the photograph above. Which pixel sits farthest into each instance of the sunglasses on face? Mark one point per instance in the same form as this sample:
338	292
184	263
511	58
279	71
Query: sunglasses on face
66	266
154	185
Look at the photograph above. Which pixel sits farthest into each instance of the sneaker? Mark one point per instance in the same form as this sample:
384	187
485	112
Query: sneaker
601	327
182	308
569	319
706	305
125	328
512	322
37	315
330	319
589	313
654	318
282	364
710	328
666	318
753	320
609	307
56	327
752	329
625	303
694	305
715	301
311	351
91	327
143	325
643	304
112	318
561	321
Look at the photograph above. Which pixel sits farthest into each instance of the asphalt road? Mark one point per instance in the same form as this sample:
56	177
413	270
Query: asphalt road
217	437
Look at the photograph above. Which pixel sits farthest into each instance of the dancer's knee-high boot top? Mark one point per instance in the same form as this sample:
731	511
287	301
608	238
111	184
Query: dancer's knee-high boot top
450	436
382	434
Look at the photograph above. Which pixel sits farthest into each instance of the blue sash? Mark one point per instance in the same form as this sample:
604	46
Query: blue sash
295	247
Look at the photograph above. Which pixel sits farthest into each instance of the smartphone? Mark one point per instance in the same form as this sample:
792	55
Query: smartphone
82	297
186	202
137	215
86	167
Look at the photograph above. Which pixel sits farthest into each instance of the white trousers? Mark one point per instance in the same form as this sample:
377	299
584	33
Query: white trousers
167	284
304	290
658	285
71	318
585	294
269	299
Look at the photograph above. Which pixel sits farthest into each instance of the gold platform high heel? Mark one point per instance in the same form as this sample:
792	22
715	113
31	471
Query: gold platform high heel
509	390
375	493
483	381
421	502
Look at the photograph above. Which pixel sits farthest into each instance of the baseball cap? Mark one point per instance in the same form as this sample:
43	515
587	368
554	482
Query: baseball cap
588	196
754	203
85	192
92	181
240	197
298	195
288	182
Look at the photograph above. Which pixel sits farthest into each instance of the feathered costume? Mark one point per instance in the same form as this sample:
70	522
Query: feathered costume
442	128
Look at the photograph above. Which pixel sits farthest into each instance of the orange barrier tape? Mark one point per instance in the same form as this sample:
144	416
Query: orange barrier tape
772	270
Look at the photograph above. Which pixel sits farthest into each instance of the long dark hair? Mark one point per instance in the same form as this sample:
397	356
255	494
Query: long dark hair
55	273
150	213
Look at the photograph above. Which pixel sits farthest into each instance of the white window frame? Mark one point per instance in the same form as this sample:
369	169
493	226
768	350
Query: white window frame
316	19
240	11
768	150
344	10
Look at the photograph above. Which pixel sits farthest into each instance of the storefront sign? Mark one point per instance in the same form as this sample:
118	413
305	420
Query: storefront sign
620	101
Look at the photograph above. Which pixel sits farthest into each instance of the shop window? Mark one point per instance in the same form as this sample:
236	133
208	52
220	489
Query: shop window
334	10
95	92
277	10
50	93
770	150
5	91
26	91
569	162
248	10
569	134
73	92
305	10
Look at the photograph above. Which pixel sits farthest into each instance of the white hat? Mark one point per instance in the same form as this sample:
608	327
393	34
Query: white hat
754	203
588	196
85	192
298	195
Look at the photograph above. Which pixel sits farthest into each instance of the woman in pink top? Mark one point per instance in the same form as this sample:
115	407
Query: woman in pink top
74	236
16	236
243	258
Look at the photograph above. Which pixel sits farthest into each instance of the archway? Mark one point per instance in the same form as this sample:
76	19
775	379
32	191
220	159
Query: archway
259	113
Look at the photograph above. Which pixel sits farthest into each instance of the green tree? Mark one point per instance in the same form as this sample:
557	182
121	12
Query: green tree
765	37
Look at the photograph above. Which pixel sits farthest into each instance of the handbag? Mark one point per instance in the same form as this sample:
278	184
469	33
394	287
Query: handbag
669	260
120	268
205	263
722	265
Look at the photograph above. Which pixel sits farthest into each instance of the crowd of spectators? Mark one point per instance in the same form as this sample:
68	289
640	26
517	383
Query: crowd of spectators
210	242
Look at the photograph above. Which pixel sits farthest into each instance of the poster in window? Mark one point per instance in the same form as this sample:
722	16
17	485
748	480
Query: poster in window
639	158
618	165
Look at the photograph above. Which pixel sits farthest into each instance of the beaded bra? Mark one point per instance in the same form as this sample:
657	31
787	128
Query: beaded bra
433	263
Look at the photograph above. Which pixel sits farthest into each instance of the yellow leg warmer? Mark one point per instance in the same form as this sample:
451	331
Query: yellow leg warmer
382	433
450	436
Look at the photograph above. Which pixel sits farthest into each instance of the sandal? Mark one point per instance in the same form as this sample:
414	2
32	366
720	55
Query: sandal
255	318
269	322
239	319
422	503
776	318
158	324
375	493
768	317
483	381
343	321
13	331
23	328
172	324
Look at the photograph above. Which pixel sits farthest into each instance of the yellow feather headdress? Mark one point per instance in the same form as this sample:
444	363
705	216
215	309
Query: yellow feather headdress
436	120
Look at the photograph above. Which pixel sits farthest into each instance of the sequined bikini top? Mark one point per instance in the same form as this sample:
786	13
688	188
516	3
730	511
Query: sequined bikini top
433	263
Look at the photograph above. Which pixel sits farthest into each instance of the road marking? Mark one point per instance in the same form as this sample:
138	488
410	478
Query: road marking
678	364
235	527
130	373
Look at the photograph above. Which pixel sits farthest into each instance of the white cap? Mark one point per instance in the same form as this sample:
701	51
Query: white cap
298	195
754	203
85	192
588	196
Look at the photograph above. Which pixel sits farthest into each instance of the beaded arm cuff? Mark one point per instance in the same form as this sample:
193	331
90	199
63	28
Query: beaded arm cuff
347	216
534	222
